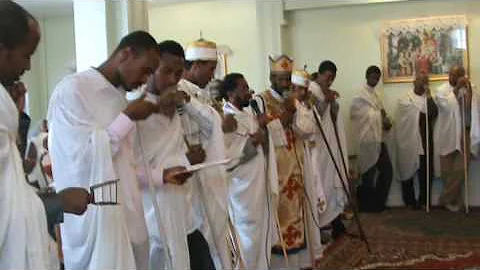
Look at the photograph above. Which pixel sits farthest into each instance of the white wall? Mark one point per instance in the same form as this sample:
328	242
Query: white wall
59	49
34	81
50	63
231	23
350	37
90	23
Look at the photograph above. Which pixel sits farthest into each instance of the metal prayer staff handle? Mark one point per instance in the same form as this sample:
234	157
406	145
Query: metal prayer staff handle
99	190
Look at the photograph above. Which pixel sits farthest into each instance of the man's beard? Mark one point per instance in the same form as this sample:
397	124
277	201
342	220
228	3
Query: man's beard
10	81
245	103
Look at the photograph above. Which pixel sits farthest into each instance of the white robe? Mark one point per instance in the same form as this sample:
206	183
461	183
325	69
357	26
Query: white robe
366	116
212	181
305	126
326	172
408	139
448	130
250	203
81	108
23	223
161	139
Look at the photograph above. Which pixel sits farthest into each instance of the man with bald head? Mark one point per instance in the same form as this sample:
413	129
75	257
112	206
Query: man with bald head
457	104
411	140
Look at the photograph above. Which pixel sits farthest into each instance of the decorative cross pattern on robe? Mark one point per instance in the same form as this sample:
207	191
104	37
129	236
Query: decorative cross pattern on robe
290	212
293	187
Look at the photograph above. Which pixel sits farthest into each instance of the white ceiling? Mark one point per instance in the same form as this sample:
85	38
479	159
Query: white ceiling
289	4
48	8
306	4
51	8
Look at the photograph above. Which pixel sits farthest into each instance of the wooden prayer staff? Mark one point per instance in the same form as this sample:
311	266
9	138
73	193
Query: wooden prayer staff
466	152
345	189
280	236
256	109
156	207
208	216
105	193
308	234
187	128
232	238
427	153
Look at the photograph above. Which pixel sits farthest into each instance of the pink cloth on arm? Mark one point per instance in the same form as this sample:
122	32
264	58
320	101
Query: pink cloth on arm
118	130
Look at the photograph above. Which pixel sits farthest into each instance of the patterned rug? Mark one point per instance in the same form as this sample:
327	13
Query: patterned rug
407	239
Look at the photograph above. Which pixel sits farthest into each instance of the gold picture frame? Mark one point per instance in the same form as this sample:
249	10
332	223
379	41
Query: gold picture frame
430	45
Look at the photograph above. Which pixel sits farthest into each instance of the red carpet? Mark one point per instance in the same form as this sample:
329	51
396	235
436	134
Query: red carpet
406	239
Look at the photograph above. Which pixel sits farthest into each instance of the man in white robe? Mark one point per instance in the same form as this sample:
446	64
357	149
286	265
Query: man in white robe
307	130
454	122
203	138
90	142
371	122
250	191
18	93
162	146
328	112
23	223
278	107
411	141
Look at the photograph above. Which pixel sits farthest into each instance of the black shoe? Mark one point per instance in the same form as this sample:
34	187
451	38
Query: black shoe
419	206
325	237
338	228
337	233
372	209
413	206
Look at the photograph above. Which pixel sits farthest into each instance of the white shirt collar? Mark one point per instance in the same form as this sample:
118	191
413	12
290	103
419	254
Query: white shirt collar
230	108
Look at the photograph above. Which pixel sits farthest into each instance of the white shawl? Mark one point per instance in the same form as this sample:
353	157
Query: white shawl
449	121
327	174
161	139
408	139
366	116
448	130
250	208
305	126
212	180
23	224
81	108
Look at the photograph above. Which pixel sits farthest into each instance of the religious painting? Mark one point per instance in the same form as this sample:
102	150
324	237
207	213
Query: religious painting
431	45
